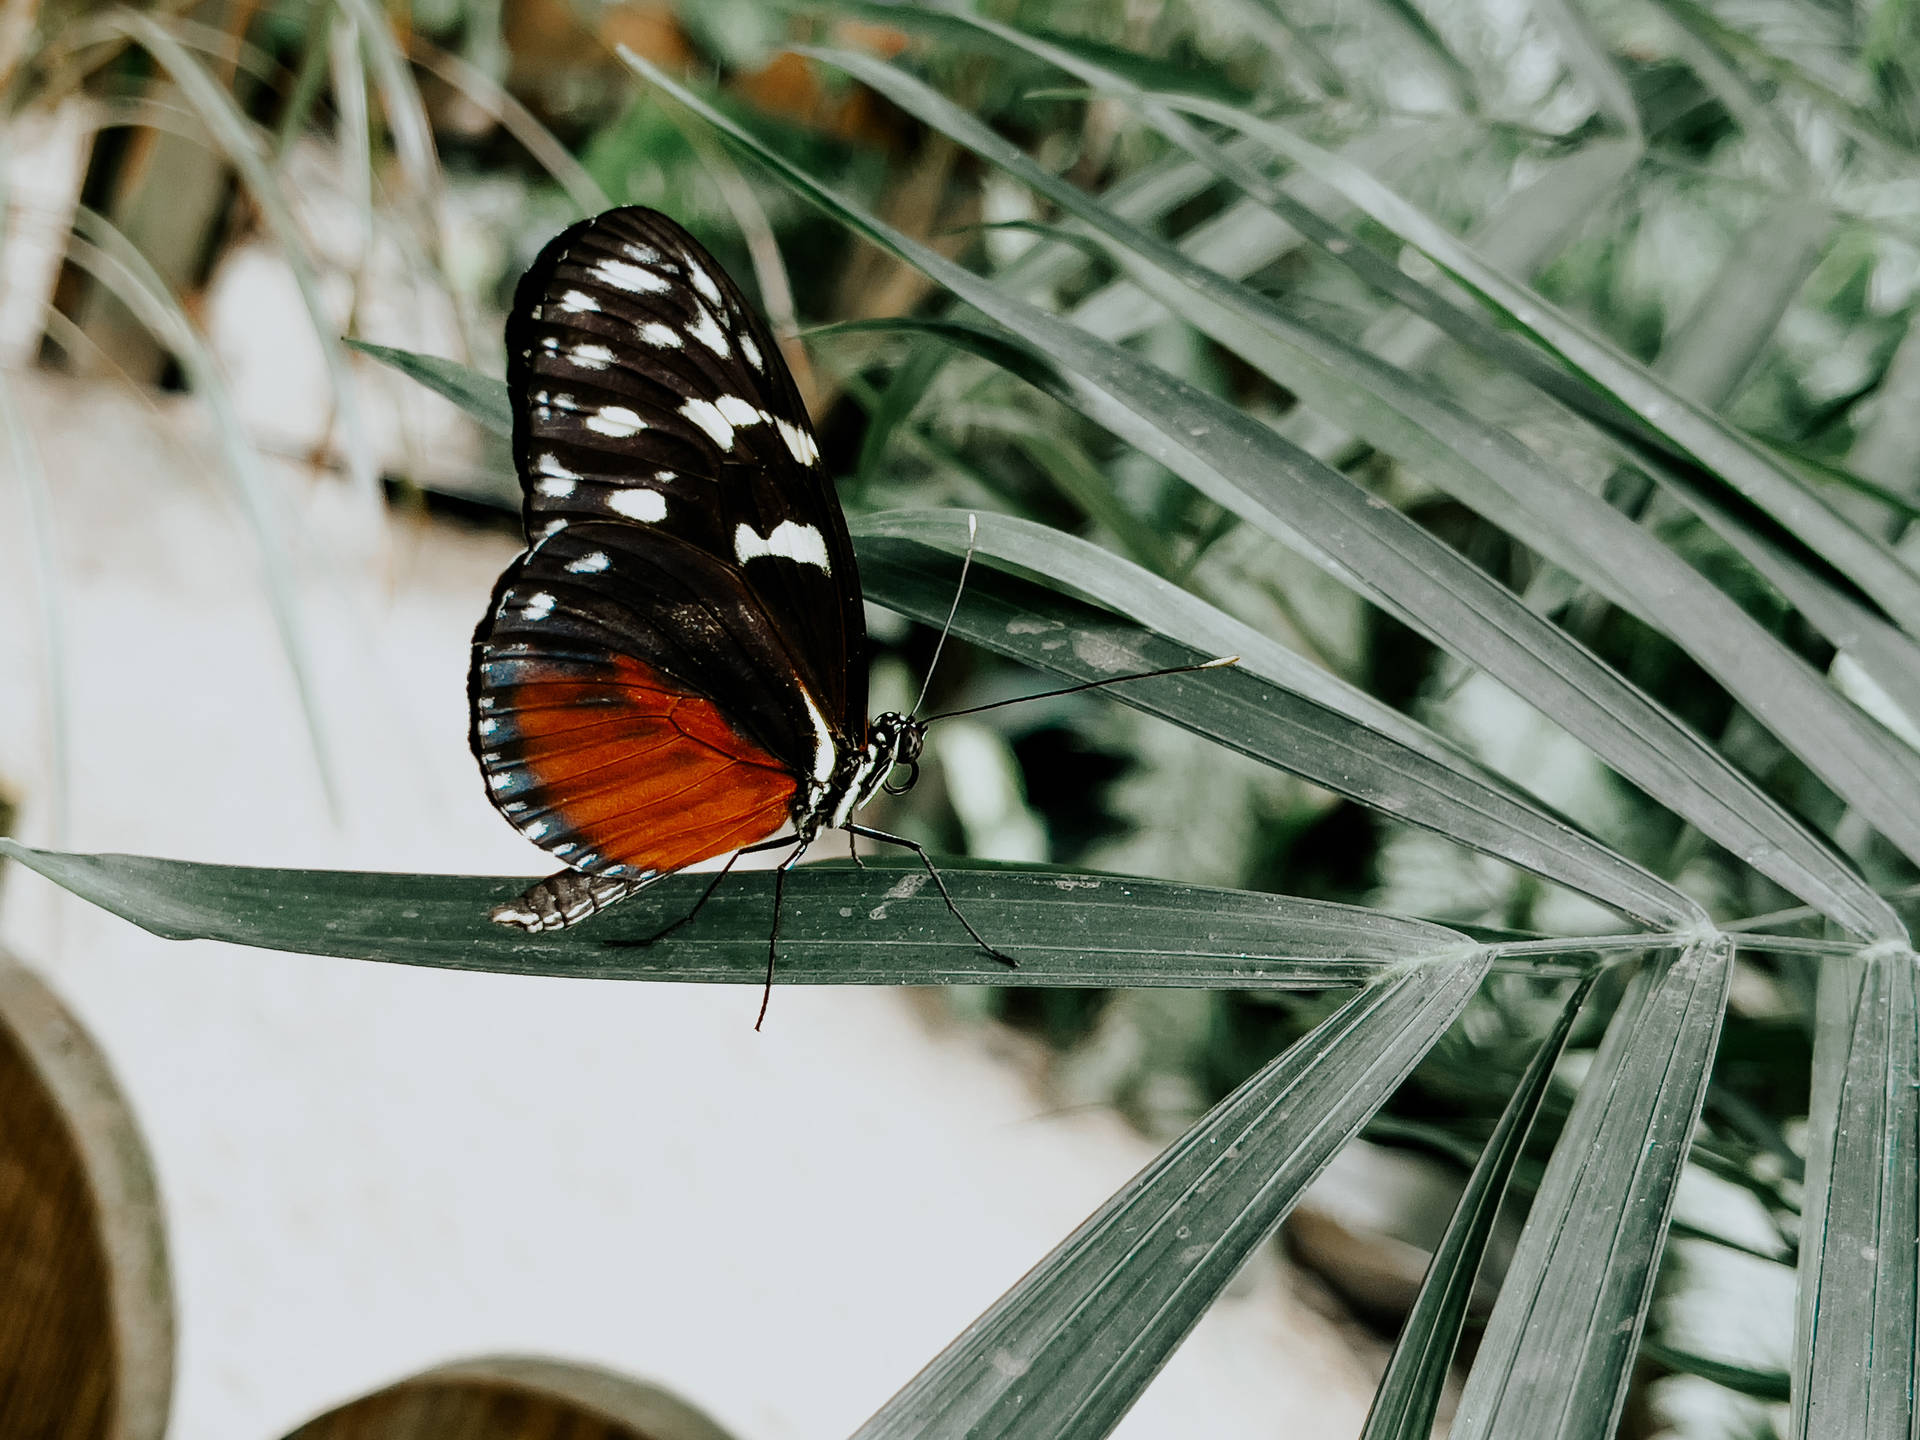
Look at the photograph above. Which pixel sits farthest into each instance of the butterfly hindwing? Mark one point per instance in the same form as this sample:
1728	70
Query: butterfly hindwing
647	392
621	710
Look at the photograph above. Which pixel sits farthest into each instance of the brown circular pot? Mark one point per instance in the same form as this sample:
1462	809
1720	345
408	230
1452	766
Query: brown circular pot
515	1398
86	1305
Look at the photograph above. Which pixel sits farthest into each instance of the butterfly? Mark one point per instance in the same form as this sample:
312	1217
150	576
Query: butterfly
675	669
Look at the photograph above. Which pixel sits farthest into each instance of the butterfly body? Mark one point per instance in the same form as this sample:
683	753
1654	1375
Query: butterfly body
675	669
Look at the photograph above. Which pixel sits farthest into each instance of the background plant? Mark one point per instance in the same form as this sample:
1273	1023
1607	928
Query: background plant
1527	396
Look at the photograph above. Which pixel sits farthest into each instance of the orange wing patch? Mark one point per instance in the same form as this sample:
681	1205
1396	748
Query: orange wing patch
622	768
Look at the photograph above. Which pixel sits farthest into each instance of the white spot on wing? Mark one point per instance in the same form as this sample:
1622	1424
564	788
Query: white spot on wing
578	302
665	336
552	528
645	254
708	417
630	278
799	442
751	351
643	505
487	727
550	465
707	331
558	486
801	544
592	357
616	421
539	607
537	829
741	412
824	757
591	563
703	282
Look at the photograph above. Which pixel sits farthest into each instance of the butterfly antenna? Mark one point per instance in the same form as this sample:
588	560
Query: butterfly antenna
1223	661
966	564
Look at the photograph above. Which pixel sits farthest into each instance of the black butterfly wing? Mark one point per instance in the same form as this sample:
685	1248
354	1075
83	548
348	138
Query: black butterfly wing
593	742
646	391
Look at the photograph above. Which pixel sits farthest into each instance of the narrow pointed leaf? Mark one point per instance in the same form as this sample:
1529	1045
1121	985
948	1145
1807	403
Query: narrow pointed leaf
1889	656
482	397
1066	1352
1558	1352
839	925
1274	706
1854	1371
1244	466
1409	1393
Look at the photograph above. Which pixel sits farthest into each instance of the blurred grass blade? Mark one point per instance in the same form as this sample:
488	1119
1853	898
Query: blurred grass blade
1719	341
1591	63
1409	1393
1757	118
1739	462
1889	657
1855	1341
1067	1351
1442	63
521	123
48	599
1243	465
839	925
482	397
1274	706
1287	39
1772	1386
1558	1353
240	144
904	390
118	264
1862	122
400	99
1244	237
353	126
1497	475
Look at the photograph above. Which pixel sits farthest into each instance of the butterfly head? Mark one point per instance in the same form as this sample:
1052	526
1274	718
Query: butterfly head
895	740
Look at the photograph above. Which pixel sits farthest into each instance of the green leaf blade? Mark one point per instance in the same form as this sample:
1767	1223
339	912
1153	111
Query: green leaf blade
1559	1349
1275	707
482	397
883	925
1409	1393
1855	1366
1067	1351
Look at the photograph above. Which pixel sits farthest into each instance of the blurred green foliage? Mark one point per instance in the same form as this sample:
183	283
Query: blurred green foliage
1738	118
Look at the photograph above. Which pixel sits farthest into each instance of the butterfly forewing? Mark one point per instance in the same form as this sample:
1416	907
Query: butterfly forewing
646	390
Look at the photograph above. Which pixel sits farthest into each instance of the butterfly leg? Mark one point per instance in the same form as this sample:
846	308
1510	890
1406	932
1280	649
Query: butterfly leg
705	895
773	939
854	851
927	860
